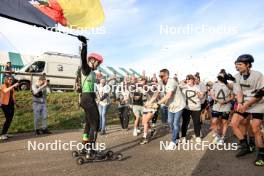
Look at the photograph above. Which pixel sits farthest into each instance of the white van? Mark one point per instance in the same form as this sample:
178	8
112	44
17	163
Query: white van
53	65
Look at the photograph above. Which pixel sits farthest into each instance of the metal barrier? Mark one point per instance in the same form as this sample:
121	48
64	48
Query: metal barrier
34	74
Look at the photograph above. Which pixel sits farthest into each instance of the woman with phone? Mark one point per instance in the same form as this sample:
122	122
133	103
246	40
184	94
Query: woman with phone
8	102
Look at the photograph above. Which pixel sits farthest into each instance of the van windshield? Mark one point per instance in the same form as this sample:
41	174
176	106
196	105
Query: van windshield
36	67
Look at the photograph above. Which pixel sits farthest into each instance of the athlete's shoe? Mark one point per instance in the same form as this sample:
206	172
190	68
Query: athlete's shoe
85	148
171	146
83	151
144	141
259	161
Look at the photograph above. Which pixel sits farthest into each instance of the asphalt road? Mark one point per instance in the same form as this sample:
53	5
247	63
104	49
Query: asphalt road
146	160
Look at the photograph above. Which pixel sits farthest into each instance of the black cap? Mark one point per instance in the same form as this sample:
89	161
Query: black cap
245	58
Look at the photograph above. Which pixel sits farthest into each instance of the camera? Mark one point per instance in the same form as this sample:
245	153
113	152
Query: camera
226	77
38	95
229	77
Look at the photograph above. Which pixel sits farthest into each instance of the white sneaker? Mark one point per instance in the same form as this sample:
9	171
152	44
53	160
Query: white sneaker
216	139
198	140
183	140
214	135
135	132
221	141
138	131
4	137
171	146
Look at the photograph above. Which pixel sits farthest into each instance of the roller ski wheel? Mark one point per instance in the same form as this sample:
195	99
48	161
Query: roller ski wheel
109	154
119	157
79	160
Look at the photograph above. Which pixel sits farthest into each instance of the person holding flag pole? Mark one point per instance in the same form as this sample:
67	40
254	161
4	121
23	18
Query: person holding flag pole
88	95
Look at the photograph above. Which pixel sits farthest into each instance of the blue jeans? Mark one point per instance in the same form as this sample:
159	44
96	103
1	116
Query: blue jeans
164	113
174	122
102	112
40	112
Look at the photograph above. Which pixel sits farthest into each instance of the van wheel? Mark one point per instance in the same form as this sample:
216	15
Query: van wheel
24	86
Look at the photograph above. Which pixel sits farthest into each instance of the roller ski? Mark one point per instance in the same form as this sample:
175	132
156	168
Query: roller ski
90	155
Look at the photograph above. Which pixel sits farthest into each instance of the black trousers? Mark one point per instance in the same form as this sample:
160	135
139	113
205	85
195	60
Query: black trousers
9	114
186	116
89	105
124	116
155	117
